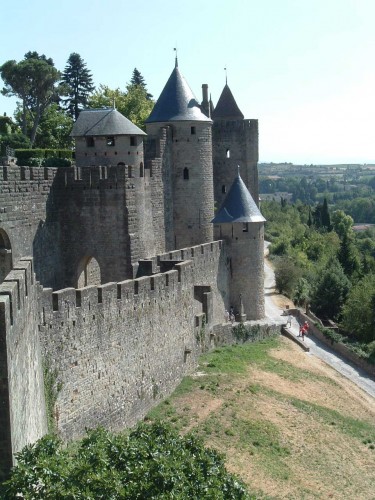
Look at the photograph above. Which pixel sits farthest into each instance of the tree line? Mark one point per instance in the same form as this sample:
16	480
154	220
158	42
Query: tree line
49	101
321	263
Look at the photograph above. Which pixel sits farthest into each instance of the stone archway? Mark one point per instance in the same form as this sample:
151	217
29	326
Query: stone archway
6	261
88	272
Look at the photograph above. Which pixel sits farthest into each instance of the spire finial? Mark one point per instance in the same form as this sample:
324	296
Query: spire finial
176	61
226	75
238	170
114	103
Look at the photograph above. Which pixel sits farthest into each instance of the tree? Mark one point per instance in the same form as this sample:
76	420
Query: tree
137	79
152	462
358	315
34	81
330	291
79	84
133	103
10	135
348	255
302	292
341	223
325	217
287	275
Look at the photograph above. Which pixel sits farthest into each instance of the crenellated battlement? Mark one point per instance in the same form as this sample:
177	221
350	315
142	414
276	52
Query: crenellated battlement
236	125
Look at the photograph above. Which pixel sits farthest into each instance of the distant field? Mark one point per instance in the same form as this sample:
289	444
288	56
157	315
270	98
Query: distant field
290	426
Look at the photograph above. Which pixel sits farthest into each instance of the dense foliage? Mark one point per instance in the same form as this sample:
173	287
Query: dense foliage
324	265
133	103
35	81
49	101
153	462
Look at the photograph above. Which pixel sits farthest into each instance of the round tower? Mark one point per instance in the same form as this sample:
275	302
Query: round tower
191	160
241	225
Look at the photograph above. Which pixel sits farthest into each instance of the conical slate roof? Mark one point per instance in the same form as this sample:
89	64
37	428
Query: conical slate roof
227	108
94	122
238	206
177	102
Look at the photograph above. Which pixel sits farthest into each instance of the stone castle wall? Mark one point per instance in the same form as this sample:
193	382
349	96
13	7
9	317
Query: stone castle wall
64	216
28	216
119	348
22	406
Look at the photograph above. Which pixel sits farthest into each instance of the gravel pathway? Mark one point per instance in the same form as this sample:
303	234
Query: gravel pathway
274	312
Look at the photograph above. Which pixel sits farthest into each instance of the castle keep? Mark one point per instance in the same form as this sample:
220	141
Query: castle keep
115	273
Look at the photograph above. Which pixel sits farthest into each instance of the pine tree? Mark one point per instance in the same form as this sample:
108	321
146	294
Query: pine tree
326	220
79	84
138	80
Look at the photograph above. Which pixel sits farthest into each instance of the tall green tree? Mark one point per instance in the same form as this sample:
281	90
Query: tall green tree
348	255
330	291
137	79
79	84
359	310
34	80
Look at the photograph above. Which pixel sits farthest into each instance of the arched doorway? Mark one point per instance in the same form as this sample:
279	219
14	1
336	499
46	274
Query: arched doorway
6	261
88	272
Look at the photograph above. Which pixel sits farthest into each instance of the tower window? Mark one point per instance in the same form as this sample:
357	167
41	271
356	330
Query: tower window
90	142
110	140
228	153
133	141
130	171
223	189
141	170
245	227
186	174
192	130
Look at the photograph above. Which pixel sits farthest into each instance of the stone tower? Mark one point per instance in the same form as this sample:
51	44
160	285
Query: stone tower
234	142
190	164
105	137
241	225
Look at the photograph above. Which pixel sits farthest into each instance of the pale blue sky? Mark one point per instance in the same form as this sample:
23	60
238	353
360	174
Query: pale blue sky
304	68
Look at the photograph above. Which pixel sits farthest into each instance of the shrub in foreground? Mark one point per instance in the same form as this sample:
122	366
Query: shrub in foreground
152	462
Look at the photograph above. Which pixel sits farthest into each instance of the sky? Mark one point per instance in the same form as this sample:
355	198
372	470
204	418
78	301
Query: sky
303	68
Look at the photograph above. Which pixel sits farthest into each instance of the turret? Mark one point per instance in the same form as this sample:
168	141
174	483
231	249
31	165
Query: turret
190	161
234	142
105	137
241	225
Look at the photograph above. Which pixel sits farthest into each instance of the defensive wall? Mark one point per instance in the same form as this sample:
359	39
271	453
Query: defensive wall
119	348
63	216
22	407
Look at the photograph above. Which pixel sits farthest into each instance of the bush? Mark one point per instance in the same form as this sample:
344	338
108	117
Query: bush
56	162
152	462
24	155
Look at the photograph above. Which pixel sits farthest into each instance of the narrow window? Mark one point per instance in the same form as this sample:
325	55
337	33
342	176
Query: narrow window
141	170
133	141
130	171
245	227
228	153
192	130
110	141
223	189
186	174
90	142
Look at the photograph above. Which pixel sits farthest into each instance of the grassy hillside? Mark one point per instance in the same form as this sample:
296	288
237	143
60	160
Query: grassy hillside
290	426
